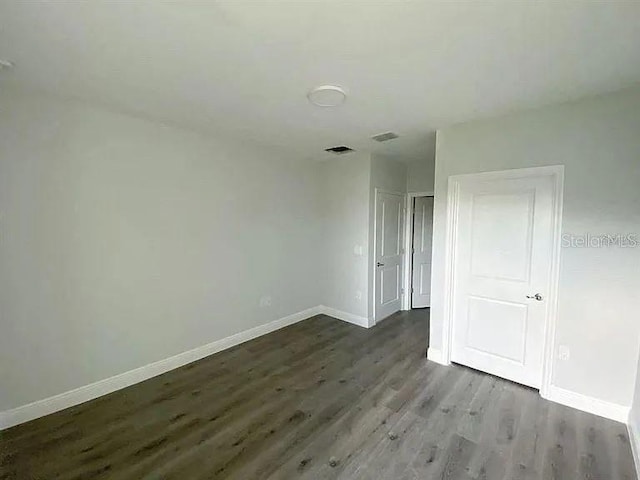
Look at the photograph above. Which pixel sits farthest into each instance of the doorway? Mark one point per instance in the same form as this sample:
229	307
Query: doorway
420	252
419	241
502	269
388	249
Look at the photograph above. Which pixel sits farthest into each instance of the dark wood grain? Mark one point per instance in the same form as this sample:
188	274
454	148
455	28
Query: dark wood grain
321	399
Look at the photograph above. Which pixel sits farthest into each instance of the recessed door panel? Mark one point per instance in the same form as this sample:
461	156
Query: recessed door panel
501	235
391	228
424	283
490	320
390	284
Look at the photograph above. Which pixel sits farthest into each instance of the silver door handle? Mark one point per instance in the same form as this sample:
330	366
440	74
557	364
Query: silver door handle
380	264
537	297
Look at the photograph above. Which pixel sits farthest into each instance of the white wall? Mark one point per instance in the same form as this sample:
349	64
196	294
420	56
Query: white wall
124	241
598	141
388	174
345	226
420	174
350	183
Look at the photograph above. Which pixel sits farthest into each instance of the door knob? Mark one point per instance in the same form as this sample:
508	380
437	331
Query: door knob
537	297
380	264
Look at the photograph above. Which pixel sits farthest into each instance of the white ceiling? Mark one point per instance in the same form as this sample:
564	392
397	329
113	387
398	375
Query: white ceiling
242	69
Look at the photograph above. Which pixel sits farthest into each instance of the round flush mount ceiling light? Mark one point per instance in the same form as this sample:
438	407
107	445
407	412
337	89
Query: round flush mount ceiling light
327	96
5	64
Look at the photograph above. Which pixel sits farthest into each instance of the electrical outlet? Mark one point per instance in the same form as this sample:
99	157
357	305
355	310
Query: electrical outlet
563	352
265	301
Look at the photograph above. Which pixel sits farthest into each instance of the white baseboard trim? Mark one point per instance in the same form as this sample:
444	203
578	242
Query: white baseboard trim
435	355
40	408
602	408
346	317
634	440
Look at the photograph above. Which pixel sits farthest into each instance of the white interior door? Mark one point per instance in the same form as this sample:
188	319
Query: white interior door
502	270
421	257
388	254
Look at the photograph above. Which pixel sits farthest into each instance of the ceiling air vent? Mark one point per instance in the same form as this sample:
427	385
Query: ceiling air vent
383	137
340	150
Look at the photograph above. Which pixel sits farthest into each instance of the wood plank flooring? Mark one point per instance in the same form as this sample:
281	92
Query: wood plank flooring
321	399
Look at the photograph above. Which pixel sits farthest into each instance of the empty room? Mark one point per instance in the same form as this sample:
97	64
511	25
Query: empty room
329	239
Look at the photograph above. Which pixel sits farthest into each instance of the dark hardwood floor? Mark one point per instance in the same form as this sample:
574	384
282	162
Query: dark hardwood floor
321	399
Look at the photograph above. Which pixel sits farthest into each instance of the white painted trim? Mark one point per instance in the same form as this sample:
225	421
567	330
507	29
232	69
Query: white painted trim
346	317
408	244
613	411
40	408
408	233
373	258
554	284
557	173
451	233
634	440
435	355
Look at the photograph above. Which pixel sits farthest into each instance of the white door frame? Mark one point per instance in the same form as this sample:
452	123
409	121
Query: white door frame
408	239
403	250
556	172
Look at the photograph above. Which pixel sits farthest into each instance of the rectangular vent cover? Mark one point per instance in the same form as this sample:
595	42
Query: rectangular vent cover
339	150
383	137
